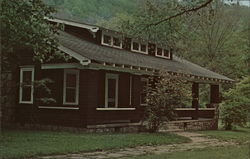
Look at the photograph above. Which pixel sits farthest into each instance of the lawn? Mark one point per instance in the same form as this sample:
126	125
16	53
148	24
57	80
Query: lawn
236	152
241	151
22	144
240	135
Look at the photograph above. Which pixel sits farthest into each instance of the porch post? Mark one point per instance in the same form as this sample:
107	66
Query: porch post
214	94
214	102
195	99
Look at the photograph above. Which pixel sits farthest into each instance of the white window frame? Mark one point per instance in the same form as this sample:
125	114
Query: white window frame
76	72
116	77
132	49
112	40
144	79
162	53
23	69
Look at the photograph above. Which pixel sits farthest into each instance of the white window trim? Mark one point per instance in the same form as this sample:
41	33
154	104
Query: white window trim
62	108
77	86
116	77
109	109
22	69
162	53
112	40
132	49
146	80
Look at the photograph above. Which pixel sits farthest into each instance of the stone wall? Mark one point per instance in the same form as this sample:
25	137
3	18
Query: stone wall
125	129
203	124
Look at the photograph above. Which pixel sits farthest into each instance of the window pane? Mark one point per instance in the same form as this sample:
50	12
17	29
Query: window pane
166	53
143	48
26	93
111	92
27	77
135	46
70	80
107	39
159	51
117	41
70	95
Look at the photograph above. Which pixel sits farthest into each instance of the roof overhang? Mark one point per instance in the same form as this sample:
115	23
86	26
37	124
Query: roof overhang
91	28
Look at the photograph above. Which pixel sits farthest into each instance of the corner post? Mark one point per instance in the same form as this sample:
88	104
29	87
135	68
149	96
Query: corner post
195	99
214	102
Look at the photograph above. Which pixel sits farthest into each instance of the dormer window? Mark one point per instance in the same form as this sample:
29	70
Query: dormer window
138	47
165	53
107	39
110	40
116	42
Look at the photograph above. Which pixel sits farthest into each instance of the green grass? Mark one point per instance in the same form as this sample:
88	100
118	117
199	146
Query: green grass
23	144
241	151
236	152
239	135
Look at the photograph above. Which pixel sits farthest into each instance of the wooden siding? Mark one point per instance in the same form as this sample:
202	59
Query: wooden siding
96	99
91	96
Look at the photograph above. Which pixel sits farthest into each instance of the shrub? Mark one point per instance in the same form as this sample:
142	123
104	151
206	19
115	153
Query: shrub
235	109
164	93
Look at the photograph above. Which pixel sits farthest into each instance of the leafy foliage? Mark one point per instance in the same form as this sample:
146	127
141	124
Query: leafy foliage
23	25
235	109
164	93
44	92
92	11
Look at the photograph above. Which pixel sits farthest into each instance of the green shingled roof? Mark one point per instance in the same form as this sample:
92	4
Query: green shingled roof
101	53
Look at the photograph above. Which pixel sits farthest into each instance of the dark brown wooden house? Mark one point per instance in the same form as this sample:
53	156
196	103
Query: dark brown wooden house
103	82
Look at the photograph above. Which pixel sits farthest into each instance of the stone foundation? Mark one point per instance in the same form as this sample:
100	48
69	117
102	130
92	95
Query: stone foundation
203	124
130	128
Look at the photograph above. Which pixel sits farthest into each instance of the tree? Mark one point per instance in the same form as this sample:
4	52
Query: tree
163	93
23	26
235	109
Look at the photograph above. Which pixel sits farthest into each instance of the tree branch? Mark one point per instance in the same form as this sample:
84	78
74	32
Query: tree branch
183	12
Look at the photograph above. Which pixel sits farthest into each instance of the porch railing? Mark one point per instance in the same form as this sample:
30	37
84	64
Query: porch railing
192	113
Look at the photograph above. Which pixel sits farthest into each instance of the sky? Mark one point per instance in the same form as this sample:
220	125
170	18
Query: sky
242	2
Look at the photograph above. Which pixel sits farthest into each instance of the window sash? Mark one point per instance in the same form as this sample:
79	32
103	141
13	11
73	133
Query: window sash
162	53
75	88
139	47
24	86
113	40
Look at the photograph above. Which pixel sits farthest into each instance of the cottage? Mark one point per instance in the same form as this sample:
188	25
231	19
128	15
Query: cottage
103	81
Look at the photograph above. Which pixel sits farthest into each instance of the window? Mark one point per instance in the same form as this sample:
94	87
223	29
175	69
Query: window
107	39
159	52
166	53
144	83
162	53
116	42
111	91
26	85
71	87
138	47
110	40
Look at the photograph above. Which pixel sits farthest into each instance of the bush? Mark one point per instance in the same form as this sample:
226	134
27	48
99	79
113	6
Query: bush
164	93
235	109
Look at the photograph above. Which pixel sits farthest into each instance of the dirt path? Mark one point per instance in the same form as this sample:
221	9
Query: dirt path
198	141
